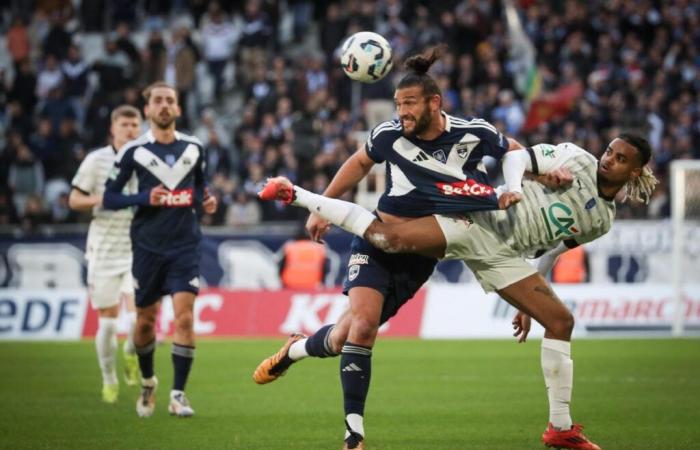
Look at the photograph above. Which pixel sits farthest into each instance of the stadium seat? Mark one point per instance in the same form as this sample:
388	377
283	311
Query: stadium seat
45	266
248	265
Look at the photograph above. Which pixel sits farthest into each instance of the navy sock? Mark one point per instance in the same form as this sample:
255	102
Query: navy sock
145	355
182	362
355	373
319	344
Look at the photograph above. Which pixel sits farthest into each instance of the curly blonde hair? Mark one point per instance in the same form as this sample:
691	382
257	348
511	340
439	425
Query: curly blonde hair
640	188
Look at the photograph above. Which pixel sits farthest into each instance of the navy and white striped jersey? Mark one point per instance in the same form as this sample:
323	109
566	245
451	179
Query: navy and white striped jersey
179	167
441	176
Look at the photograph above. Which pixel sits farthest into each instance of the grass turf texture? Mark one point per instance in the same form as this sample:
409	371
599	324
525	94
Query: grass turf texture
630	394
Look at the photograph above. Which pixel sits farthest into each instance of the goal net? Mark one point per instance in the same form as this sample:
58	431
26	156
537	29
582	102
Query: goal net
685	217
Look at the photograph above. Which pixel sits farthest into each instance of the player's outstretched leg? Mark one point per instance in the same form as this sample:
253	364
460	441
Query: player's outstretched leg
297	347
348	216
275	366
278	188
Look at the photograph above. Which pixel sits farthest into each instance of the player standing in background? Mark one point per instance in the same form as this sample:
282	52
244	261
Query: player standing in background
423	145
539	220
108	252
165	234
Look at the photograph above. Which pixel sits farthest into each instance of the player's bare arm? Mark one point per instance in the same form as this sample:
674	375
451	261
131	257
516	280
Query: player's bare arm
80	201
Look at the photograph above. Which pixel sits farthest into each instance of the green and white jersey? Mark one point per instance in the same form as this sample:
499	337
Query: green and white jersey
545	217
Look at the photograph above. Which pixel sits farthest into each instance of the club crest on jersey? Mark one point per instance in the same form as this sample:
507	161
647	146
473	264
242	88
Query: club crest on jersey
177	198
440	156
590	203
170	160
353	272
463	150
558	220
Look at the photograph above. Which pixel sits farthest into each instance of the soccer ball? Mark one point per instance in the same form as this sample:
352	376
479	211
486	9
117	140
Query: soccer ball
366	57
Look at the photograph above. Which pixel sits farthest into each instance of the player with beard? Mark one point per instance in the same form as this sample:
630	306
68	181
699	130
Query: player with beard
425	144
165	234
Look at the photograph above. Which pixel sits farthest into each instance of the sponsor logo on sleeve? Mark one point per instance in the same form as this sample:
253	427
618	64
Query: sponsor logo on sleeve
178	198
358	258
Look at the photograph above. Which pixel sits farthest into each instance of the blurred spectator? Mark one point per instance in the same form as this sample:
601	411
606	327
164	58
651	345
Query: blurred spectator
244	210
24	87
34	214
75	72
219	36
25	178
179	71
18	41
58	39
50	77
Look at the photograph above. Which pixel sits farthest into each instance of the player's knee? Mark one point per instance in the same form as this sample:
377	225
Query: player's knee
364	330
563	325
184	321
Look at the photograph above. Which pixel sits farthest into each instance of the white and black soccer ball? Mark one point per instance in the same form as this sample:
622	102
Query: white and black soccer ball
366	57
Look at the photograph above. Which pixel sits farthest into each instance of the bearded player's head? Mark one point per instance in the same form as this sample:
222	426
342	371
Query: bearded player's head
162	108
418	98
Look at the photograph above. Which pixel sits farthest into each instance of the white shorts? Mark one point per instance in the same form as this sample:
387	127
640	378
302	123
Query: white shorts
106	291
494	264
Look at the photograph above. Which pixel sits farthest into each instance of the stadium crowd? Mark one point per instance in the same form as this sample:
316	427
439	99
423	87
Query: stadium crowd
260	85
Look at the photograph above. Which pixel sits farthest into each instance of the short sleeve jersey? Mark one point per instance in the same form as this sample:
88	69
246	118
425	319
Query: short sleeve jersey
179	166
108	247
546	217
441	176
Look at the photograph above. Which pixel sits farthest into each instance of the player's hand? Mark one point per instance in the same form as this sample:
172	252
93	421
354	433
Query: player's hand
507	199
556	179
210	202
157	195
317	227
521	325
97	200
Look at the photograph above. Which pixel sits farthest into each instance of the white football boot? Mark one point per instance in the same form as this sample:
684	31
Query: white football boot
146	402
179	405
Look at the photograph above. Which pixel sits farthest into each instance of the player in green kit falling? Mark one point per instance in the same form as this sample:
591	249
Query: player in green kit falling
533	221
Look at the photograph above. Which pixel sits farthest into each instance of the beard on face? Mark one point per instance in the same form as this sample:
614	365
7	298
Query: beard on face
422	124
163	122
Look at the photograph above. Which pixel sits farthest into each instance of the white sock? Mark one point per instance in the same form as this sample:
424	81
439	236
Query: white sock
348	216
129	347
297	350
356	424
106	344
558	369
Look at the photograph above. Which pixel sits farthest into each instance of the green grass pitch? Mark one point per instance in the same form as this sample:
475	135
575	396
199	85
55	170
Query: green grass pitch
427	395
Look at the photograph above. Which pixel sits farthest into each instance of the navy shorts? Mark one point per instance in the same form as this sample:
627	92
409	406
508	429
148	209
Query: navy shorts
397	276
156	275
